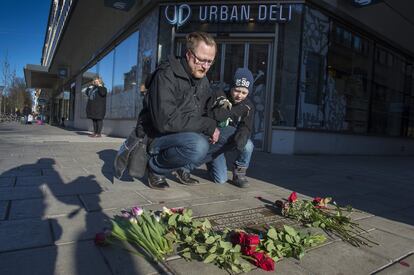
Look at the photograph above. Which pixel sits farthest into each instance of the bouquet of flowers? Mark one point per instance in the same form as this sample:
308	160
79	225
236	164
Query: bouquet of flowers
321	213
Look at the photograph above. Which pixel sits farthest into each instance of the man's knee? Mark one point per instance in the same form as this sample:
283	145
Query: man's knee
197	146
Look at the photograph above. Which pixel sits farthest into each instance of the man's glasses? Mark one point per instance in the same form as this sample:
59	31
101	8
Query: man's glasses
199	61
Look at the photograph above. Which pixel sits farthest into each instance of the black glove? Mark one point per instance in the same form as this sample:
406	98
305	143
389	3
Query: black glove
240	138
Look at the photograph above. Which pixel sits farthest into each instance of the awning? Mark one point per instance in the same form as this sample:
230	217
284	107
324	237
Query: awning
38	77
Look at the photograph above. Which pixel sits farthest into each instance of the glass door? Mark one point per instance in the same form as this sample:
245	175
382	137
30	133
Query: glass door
255	55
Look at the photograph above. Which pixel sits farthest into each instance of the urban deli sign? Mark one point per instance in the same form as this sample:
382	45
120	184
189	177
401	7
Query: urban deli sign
179	15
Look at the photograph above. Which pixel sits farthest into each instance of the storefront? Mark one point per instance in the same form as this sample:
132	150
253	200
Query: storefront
329	78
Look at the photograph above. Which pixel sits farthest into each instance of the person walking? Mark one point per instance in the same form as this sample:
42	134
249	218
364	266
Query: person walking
96	106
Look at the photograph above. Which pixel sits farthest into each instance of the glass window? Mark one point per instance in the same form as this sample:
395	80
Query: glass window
388	93
287	70
125	79
348	70
105	71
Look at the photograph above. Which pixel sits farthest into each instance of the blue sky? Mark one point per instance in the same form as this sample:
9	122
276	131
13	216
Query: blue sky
22	32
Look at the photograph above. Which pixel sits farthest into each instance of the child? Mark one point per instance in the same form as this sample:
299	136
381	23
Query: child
234	113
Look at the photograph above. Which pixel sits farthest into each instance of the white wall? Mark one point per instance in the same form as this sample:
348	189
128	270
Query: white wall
308	142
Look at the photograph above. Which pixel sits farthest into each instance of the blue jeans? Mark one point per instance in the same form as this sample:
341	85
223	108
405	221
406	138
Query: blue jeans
216	160
176	151
218	166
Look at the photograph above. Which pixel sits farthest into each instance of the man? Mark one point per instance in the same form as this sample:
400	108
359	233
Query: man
180	131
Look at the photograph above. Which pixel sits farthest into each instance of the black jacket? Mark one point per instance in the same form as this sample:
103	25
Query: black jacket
241	116
177	102
96	106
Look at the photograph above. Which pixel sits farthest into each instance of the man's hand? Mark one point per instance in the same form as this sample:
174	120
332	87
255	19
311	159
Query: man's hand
215	137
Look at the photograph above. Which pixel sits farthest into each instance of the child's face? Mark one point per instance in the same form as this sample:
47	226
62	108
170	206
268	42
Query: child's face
239	94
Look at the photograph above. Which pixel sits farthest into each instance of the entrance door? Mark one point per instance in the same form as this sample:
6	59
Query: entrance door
254	55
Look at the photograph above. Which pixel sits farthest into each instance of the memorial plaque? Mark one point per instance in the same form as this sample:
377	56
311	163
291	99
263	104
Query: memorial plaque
250	219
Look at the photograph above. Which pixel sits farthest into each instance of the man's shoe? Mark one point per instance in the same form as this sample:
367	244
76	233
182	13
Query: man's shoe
185	177
92	135
156	181
239	177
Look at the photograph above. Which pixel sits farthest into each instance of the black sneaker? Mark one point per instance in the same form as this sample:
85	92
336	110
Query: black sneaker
156	181
185	177
239	177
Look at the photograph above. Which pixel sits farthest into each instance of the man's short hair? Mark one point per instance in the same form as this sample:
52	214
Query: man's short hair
196	37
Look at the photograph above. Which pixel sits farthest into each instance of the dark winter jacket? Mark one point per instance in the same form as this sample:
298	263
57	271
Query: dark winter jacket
177	102
241	116
96	106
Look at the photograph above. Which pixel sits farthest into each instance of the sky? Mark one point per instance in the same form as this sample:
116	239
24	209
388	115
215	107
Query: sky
22	32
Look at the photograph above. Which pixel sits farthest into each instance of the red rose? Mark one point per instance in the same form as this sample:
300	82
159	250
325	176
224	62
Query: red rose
293	197
248	250
317	200
251	239
238	238
263	261
267	264
100	239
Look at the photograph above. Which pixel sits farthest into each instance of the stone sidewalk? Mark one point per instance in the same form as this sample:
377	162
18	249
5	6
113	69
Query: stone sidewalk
57	191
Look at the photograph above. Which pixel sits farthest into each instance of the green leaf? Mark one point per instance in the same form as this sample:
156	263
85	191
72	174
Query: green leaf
226	245
186	255
288	239
210	258
172	220
270	246
210	240
290	230
213	249
272	233
188	239
206	224
237	248
246	267
201	249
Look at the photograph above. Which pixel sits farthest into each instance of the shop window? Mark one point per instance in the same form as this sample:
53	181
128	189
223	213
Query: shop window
388	94
125	85
288	53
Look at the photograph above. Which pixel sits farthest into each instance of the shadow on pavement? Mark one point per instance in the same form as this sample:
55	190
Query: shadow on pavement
381	186
69	212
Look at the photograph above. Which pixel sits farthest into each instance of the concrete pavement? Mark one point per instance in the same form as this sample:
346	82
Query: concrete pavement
57	190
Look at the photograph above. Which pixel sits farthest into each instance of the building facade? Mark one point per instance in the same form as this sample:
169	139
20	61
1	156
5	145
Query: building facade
331	77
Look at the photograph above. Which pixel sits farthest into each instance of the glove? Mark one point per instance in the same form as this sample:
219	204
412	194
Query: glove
240	138
222	102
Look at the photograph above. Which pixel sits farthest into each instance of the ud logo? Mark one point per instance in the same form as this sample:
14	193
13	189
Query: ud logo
180	14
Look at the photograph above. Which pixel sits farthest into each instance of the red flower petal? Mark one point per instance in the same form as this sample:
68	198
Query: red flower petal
404	263
100	239
251	239
293	197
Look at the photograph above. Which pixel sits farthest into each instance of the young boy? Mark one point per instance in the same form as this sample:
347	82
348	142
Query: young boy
234	113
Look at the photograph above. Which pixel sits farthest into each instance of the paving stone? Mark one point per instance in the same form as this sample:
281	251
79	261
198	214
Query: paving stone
3	209
123	262
24	234
7	181
38	180
390	226
19	193
22	172
183	267
46	207
79	258
340	258
285	267
404	266
390	246
170	194
113	199
80	226
81	186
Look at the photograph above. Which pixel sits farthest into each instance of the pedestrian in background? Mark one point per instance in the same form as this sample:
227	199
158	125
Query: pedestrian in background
96	106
